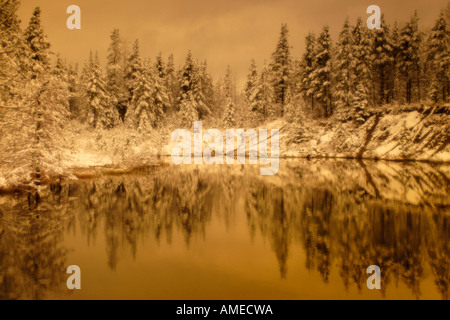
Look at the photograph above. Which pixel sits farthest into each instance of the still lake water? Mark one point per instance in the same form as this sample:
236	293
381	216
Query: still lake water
226	232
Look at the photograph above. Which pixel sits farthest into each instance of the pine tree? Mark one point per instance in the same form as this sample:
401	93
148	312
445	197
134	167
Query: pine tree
280	67
207	87
35	39
229	117
101	112
360	103
308	65
75	92
262	99
291	110
141	113
322	75
362	49
61	74
172	84
252	79
201	82
12	51
132	72
344	71
186	79
409	57
115	74
33	132
160	95
382	60
193	83
439	57
395	75
160	69
188	109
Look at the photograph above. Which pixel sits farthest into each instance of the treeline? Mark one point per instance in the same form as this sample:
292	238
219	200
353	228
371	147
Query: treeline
365	68
399	64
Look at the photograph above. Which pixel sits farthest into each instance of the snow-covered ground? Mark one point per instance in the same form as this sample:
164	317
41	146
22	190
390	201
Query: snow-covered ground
401	135
412	134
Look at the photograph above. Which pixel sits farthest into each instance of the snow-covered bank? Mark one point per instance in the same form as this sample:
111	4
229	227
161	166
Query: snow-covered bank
411	133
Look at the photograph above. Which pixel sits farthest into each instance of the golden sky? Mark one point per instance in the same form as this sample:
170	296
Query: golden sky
225	32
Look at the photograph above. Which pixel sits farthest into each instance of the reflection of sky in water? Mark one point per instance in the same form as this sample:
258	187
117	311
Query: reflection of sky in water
225	232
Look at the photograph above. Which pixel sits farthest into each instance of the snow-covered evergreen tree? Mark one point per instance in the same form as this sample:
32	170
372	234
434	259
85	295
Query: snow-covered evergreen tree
188	110
344	69
32	134
362	49
200	84
115	73
262	98
172	84
439	57
186	79
193	81
160	97
409	57
308	65
360	103
382	60
141	112
132	71
229	114
12	51
252	79
280	67
395	75
36	40
101	112
160	68
322	76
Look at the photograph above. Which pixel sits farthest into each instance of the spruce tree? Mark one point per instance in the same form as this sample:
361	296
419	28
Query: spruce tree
382	60
187	102
409	57
252	79
12	51
141	112
172	84
160	97
344	71
395	76
280	67
186	79
439	57
308	65
115	74
36	40
229	115
322	75
101	113
132	72
201	82
362	68
262	99
33	133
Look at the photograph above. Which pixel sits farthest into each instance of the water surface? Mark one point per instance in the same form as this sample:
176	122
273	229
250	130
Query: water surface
226	232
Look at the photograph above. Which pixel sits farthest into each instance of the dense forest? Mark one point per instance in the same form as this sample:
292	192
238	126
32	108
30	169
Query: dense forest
43	96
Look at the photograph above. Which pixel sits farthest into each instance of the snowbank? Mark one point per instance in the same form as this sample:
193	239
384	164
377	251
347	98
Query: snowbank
401	135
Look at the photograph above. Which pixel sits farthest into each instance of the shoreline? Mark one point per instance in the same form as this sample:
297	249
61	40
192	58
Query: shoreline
96	171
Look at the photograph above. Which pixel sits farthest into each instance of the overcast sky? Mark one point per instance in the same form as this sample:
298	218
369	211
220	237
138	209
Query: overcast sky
227	32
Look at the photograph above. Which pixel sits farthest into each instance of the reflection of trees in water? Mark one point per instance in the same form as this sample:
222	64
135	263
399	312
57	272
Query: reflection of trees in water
343	221
343	224
32	260
265	211
134	207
